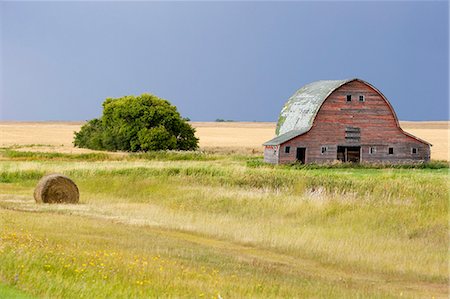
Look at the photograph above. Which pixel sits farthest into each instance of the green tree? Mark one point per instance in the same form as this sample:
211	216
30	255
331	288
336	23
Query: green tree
90	135
140	123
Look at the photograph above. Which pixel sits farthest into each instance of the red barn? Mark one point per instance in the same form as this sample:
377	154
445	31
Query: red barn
346	120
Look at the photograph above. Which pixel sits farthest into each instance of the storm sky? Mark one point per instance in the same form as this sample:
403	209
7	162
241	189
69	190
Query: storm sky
230	60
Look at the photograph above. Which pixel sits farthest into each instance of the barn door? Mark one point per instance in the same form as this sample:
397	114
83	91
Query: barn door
301	155
349	154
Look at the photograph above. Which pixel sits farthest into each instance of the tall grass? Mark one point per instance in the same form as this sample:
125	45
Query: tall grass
382	230
156	155
425	186
42	156
20	176
176	156
108	260
433	164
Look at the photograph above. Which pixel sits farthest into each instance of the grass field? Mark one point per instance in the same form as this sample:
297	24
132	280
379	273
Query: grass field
217	225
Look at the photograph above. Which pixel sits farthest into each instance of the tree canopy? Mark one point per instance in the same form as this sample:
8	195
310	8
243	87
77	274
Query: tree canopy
137	123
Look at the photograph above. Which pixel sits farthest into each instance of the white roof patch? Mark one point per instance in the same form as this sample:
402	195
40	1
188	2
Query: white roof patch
300	110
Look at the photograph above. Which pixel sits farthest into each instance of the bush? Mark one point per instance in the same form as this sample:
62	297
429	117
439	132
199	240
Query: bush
142	123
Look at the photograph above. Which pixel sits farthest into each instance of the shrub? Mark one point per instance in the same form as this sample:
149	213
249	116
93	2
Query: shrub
140	123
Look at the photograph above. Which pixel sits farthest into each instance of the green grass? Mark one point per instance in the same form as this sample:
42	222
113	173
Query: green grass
434	164
159	155
7	292
240	228
40	156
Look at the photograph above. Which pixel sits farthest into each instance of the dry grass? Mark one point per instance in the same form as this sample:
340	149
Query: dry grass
241	137
318	233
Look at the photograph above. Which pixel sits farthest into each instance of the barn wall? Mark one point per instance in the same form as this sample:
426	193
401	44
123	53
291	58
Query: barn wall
271	154
375	119
402	153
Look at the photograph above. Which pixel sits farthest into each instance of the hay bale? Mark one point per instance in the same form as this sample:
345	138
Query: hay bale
56	188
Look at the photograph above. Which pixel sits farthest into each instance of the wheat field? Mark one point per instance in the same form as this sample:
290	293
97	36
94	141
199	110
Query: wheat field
240	137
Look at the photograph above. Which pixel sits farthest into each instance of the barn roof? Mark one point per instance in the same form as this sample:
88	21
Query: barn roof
299	112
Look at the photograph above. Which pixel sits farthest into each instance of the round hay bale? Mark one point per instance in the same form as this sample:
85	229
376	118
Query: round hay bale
56	188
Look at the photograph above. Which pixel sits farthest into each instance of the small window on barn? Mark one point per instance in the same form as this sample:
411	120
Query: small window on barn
324	149
372	150
362	99
349	98
391	151
414	150
287	149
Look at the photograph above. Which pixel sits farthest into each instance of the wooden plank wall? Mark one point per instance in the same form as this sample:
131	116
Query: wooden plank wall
271	154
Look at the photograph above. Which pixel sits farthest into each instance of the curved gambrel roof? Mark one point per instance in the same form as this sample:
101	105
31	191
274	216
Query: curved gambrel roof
298	114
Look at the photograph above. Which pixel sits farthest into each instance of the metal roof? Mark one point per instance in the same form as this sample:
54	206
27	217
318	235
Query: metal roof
299	112
285	137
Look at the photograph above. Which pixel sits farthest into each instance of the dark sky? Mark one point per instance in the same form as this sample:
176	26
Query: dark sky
235	60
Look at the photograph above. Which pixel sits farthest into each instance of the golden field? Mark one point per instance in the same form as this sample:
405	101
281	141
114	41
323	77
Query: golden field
244	137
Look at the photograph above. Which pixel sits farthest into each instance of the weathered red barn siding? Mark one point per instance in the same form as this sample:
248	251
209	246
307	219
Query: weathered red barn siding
376	120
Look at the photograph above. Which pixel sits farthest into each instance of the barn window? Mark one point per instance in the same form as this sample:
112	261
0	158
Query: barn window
361	98
391	151
349	98
324	149
287	149
414	150
372	150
